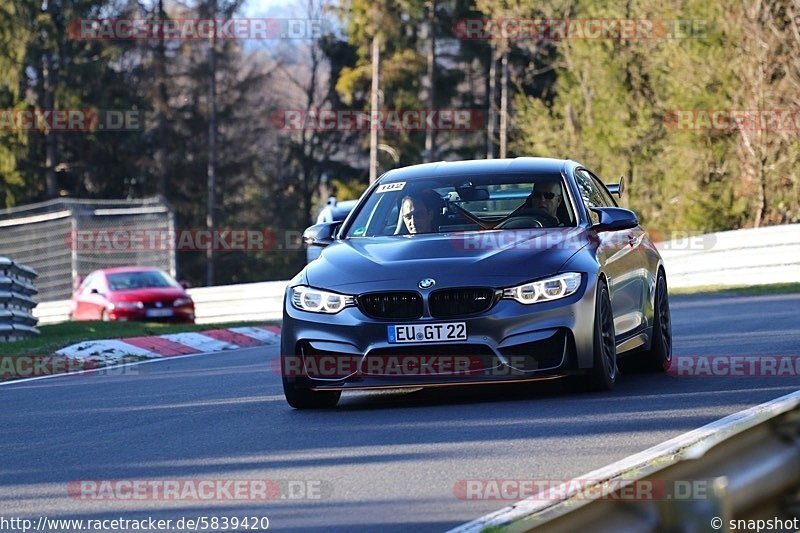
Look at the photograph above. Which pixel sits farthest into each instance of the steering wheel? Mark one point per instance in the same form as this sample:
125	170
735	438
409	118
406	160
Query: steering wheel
529	218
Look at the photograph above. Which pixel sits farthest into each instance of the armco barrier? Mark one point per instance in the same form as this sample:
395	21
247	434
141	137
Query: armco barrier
16	301
743	467
225	303
739	257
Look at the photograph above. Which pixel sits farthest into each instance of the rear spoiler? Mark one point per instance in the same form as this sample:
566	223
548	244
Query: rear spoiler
616	188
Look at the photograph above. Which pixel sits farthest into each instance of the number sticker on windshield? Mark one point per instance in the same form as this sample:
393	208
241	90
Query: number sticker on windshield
388	187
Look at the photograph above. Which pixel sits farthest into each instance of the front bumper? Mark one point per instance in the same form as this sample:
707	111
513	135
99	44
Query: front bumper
184	314
509	342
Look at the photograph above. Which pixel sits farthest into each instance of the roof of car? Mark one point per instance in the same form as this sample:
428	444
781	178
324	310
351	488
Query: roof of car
120	270
484	166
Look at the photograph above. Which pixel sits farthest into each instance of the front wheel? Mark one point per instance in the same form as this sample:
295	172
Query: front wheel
300	396
604	372
659	357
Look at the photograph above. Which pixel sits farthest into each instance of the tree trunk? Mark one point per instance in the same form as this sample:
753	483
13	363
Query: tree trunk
50	142
504	107
161	107
373	130
212	146
430	133
490	120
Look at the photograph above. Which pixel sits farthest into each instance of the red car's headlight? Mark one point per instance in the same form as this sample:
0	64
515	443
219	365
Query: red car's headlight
180	302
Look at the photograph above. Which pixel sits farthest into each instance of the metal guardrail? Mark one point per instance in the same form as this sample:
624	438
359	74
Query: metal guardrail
743	467
16	301
224	303
740	257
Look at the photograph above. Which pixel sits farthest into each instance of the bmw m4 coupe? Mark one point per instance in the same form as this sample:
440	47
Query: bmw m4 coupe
472	272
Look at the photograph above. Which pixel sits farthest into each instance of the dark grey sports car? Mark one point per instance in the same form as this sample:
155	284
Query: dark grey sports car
475	272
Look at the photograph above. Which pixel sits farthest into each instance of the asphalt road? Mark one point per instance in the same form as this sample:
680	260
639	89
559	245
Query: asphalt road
382	461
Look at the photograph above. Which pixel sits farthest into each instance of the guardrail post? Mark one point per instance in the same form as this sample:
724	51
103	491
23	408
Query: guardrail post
16	301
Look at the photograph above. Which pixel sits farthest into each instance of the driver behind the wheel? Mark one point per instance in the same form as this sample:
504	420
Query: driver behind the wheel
546	196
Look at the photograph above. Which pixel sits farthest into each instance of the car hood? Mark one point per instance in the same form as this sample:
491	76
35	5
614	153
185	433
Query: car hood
151	294
495	258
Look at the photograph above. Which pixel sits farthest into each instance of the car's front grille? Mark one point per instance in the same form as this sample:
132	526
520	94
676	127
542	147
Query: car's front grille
155	305
392	305
461	301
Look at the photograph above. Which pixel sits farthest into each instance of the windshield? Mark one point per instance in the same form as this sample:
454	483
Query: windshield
464	203
127	281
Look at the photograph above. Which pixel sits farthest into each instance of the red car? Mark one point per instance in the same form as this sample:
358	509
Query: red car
131	293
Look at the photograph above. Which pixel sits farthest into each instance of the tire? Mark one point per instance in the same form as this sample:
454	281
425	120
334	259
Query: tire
659	357
605	371
300	396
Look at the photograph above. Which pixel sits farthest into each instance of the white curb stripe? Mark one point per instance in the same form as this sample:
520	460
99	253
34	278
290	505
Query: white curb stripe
104	349
200	342
258	333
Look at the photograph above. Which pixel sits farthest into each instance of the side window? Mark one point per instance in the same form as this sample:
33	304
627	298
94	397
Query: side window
95	283
87	282
590	194
607	199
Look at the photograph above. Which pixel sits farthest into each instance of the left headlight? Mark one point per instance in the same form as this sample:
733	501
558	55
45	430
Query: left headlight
180	302
127	305
317	301
545	290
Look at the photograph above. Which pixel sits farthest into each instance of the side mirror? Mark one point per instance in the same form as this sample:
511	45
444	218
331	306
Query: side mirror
94	291
615	219
616	188
320	234
185	284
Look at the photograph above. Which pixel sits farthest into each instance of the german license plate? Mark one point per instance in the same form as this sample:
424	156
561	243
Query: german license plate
450	331
159	312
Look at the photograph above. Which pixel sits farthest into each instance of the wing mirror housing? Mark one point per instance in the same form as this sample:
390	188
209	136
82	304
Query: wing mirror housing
321	234
615	219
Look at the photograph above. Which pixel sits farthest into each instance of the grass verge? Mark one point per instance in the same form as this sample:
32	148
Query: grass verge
742	290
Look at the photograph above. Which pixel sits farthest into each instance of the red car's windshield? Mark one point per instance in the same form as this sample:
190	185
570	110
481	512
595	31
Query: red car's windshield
139	280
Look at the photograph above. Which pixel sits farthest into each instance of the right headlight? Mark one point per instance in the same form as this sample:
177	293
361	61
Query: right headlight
319	301
545	290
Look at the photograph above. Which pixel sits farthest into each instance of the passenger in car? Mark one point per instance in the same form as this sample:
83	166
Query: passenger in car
417	212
